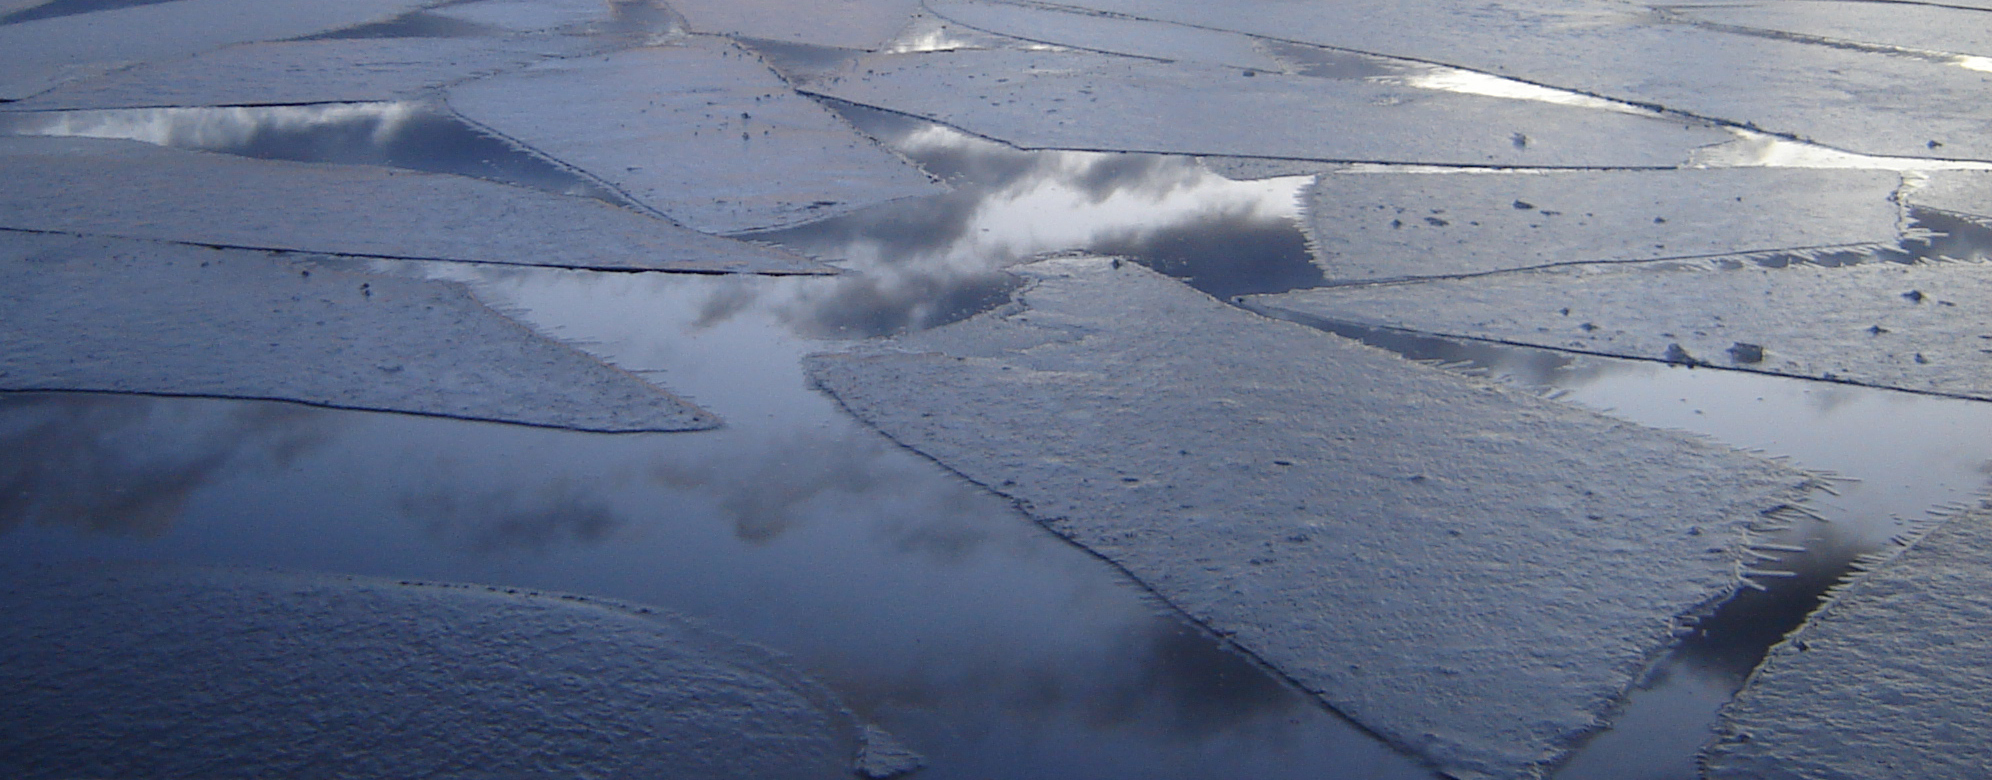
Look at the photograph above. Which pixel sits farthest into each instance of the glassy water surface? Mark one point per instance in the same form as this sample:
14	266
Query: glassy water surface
931	606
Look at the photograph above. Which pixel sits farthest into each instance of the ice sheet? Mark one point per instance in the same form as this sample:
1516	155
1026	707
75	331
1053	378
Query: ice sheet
1388	225
1887	680
1078	100
134	190
1914	27
1966	193
39	55
294	72
851	24
165	319
1472	572
528	15
701	130
1910	327
1109	34
1860	101
138	671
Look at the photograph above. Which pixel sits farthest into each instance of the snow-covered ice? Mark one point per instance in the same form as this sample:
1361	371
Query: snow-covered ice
143	671
1915	327
701	130
1887	680
134	190
148	317
1472	572
1391	225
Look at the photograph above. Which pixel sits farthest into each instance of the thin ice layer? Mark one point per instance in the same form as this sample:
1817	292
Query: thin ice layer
145	317
1391	225
145	671
1909	327
135	190
1109	34
1078	100
297	72
39	55
1472	572
1887	680
1854	100
700	130
849	24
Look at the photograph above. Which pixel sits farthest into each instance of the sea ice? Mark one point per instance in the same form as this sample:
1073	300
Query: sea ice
1887	680
1081	100
165	319
1389	225
1861	101
1474	573
1911	327
701	130
347	70
38	55
142	671
135	190
849	24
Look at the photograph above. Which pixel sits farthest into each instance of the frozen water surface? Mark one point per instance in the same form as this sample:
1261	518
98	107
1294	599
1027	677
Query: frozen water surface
979	640
133	190
165	672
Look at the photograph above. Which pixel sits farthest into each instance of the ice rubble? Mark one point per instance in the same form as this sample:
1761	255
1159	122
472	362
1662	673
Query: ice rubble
134	190
1849	99
39	55
141	671
147	317
296	72
700	130
849	24
1472	572
1910	327
1887	680
1080	100
1389	225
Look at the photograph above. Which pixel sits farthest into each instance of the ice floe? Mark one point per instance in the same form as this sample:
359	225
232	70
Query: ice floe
1915	327
1887	680
1939	31
850	24
1963	193
701	130
39	55
1082	100
529	15
1384	225
1472	572
147	317
1110	34
295	72
1855	100
133	190
139	671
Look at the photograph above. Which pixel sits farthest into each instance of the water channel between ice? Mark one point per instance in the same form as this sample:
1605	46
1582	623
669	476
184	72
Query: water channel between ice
991	646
